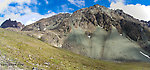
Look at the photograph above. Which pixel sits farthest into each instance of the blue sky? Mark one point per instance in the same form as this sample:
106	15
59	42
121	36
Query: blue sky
29	11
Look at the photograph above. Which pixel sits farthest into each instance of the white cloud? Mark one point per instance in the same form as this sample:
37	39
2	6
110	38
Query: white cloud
65	8
34	17
138	11
115	1
71	9
31	17
95	0
46	1
5	3
15	13
78	3
34	2
26	19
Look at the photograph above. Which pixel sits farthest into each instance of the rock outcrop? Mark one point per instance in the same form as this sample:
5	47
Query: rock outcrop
12	24
97	32
147	23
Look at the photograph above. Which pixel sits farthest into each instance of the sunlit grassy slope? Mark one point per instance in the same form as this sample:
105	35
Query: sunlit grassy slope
35	53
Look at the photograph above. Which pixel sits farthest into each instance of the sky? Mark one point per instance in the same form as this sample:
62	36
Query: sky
29	11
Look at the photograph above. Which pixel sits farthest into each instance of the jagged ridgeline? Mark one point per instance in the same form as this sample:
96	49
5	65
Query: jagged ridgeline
14	24
96	32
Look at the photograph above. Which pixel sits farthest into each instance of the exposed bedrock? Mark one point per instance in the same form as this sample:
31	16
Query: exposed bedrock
96	32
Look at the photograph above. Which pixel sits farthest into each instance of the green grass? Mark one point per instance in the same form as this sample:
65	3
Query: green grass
30	51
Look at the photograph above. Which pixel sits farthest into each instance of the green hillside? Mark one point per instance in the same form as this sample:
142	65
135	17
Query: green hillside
21	49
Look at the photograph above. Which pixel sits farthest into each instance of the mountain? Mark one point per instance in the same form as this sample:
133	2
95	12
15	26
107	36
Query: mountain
147	23
11	24
96	32
21	52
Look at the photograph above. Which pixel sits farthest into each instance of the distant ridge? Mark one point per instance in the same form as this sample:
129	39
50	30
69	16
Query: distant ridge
147	23
12	24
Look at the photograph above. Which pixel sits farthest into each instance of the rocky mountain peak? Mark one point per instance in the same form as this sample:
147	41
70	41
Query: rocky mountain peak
93	32
148	23
12	24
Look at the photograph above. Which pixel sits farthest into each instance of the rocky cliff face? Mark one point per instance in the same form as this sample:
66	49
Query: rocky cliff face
12	24
147	23
97	32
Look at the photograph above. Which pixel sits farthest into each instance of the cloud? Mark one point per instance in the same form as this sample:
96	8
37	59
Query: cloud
78	3
115	1
46	1
95	0
21	13
65	8
138	11
5	3
26	19
34	17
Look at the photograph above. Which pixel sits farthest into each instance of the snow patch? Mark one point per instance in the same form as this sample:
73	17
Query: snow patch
39	37
145	54
44	29
89	36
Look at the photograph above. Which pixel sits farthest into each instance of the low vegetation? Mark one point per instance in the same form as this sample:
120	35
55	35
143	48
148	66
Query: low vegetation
33	53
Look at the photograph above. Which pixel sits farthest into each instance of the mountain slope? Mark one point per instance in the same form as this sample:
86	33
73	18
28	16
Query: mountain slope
89	31
33	53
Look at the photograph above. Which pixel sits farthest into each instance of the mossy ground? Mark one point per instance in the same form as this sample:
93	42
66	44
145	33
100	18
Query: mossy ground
35	53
